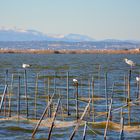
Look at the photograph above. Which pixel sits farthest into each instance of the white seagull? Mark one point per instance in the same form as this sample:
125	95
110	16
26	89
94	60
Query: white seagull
75	80
129	62
26	65
138	79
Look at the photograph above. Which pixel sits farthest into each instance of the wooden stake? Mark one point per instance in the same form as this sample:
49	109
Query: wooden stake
6	77
84	133
62	112
36	92
138	89
107	122
45	88
129	114
68	93
99	77
49	110
3	96
26	97
41	118
89	90
93	99
80	120
121	129
128	86
106	94
125	89
54	82
121	125
53	119
10	93
18	101
77	103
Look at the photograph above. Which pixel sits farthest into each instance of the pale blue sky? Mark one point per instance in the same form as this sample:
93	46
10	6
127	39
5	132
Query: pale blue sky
100	19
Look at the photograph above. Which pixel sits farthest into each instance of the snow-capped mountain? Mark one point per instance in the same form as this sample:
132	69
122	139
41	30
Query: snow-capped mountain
21	35
33	35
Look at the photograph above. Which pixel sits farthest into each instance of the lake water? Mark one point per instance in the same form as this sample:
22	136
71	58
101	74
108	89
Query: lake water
48	75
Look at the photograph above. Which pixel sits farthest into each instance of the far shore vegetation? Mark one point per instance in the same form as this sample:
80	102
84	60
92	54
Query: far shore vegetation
36	51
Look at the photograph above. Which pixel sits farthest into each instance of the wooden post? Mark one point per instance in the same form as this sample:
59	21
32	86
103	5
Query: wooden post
3	96
49	110
6	77
129	114
26	97
68	93
39	122
81	83
89	92
121	129
80	120
53	119
62	112
106	94
125	88
93	99
99	77
10	92
128	86
138	89
121	124
45	88
54	82
36	92
84	133
18	101
89	88
107	122
77	105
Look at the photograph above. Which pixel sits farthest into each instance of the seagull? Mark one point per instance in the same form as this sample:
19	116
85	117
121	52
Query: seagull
75	80
138	79
129	62
26	65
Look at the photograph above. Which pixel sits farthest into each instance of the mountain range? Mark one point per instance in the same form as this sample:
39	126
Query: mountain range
33	35
32	39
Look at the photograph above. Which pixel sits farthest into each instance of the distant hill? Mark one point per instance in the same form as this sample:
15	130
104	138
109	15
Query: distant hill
32	39
33	35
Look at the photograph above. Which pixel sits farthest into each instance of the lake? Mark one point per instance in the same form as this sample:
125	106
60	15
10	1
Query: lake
101	76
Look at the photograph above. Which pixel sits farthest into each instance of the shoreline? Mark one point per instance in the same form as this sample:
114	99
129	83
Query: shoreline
31	51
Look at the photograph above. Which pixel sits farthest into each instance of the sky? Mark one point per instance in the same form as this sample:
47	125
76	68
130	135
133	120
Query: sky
99	19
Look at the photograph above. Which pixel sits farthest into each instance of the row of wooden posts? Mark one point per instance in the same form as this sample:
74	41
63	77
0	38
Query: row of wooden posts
79	119
5	94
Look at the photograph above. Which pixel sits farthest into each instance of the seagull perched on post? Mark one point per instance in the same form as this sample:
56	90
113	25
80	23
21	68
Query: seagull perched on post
138	79
26	65
75	81
129	62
